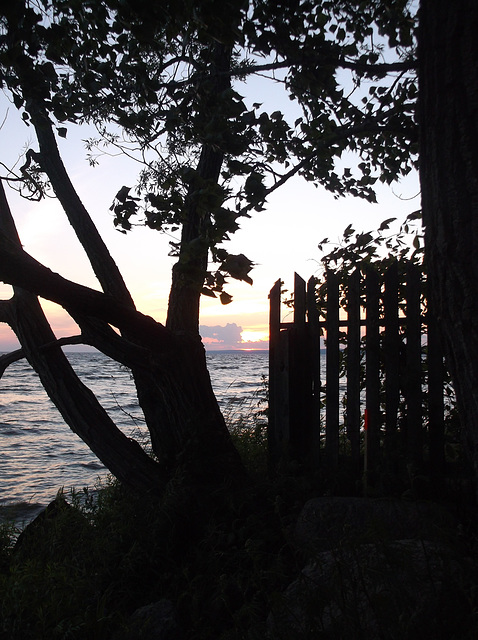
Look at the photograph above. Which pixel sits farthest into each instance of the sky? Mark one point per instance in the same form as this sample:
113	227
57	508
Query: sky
281	240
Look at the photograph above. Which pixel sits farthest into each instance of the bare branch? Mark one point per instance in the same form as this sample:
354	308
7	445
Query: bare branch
19	269
9	358
99	334
103	264
379	68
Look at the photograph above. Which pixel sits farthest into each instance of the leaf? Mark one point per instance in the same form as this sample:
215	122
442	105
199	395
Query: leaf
62	131
238	266
225	298
207	292
385	224
123	194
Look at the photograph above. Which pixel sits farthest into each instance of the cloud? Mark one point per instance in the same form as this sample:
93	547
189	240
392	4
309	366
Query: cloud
231	336
228	337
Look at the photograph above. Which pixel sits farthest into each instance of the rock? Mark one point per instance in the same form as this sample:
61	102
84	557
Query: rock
325	522
404	589
155	621
60	524
376	568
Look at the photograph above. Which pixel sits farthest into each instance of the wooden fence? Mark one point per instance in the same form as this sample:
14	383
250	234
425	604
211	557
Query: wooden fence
372	392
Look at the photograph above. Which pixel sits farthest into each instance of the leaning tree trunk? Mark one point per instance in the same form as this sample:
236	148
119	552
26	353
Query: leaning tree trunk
448	113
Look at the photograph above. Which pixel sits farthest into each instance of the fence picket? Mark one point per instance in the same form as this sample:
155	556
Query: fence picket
353	365
313	327
413	389
391	357
372	373
300	384
275	434
332	371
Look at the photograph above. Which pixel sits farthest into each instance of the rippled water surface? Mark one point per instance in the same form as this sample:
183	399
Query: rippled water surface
38	452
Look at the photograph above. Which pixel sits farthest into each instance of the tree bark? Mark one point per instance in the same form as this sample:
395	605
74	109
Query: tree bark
448	114
100	259
190	270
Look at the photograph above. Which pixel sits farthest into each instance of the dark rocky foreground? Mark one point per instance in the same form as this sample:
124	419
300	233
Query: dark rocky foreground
363	568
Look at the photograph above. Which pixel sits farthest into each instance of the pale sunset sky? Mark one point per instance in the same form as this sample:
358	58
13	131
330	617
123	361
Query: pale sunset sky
281	240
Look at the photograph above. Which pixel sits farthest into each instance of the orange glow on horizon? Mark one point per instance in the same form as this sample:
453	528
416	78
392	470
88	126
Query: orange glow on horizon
254	335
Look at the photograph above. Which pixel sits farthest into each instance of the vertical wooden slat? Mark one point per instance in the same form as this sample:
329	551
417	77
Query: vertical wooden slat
413	391
372	375
391	358
299	302
436	422
314	357
274	373
332	371
299	381
282	402
353	365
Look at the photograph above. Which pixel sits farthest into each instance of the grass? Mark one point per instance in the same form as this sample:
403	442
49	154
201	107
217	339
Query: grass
106	553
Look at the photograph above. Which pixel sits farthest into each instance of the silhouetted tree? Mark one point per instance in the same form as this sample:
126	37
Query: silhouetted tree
163	79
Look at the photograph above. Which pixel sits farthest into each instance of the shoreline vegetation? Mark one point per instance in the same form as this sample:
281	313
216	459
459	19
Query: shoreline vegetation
110	564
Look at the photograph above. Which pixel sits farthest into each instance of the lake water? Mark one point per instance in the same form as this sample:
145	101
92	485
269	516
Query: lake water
38	452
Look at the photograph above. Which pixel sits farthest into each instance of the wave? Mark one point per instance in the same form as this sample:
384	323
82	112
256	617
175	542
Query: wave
50	454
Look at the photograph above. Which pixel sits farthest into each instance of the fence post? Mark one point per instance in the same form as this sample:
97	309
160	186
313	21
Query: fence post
277	431
332	370
372	371
391	356
413	390
313	328
300	383
353	366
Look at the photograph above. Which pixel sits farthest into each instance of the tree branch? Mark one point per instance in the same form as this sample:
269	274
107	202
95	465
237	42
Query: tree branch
6	312
340	63
101	261
378	69
366	127
20	269
9	358
99	334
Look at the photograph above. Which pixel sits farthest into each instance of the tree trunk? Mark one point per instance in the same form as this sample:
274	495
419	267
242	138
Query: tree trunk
448	113
190	270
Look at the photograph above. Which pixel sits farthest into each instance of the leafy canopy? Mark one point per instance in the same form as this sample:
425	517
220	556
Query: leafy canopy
164	81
